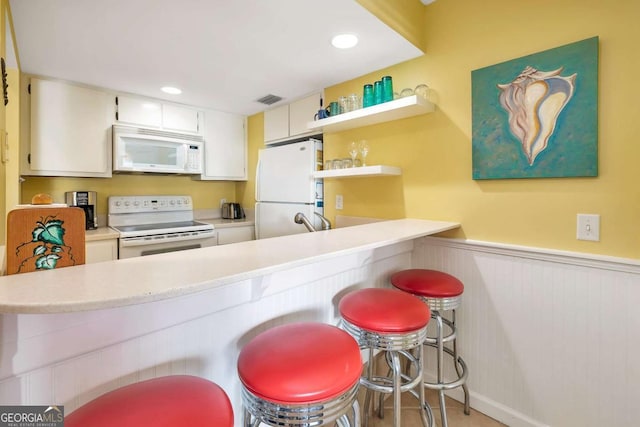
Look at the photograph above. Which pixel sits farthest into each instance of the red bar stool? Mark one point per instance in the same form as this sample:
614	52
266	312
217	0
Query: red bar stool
441	292
396	323
172	401
300	374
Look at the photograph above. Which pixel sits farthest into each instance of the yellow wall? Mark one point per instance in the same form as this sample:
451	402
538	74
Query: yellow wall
3	169
434	150
406	17
205	194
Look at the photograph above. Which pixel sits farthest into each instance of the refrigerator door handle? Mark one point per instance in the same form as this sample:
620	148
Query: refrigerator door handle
257	189
257	220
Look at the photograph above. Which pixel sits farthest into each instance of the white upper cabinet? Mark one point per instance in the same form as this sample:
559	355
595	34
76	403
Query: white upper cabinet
138	111
225	146
155	114
181	119
276	123
69	132
290	120
301	112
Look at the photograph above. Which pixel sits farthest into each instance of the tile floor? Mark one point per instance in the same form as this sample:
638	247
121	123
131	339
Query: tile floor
411	416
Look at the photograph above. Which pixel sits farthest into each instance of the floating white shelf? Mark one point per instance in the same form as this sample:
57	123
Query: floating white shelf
377	170
393	110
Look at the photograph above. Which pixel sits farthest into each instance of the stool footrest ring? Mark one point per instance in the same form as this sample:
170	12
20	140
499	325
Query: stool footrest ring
452	384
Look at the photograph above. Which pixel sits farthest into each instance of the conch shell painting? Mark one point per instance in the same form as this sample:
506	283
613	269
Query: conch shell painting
536	116
534	100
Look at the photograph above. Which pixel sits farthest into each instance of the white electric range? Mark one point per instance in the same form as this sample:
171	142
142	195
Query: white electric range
151	225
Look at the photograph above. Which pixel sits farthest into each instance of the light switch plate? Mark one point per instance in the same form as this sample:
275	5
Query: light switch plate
339	201
588	227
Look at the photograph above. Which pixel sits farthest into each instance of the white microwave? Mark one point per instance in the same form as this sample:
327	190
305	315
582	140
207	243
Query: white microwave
149	150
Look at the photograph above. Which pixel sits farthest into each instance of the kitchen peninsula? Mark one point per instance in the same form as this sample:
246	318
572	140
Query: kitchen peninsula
71	334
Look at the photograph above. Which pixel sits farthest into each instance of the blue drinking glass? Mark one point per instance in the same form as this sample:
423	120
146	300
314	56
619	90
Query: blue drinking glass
377	92
367	96
387	89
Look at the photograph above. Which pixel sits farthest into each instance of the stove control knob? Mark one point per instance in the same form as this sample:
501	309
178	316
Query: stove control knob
117	203
172	202
127	203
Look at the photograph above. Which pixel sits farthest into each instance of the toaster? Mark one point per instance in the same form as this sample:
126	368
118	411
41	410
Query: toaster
232	211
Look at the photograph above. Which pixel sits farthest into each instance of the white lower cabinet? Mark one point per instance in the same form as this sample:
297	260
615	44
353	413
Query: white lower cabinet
225	146
101	250
235	234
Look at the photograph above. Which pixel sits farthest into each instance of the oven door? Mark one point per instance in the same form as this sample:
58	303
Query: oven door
129	249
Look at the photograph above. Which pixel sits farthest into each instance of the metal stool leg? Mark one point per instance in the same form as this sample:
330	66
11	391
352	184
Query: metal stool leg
368	395
440	367
459	367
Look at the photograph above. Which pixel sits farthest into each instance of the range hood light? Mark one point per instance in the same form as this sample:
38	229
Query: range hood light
171	90
344	41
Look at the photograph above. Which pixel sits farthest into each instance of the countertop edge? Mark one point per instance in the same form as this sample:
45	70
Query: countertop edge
109	284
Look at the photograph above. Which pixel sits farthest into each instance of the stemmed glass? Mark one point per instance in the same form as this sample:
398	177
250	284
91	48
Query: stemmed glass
364	150
353	152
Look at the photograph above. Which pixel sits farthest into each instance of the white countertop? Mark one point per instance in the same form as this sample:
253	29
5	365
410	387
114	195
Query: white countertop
228	223
101	233
145	279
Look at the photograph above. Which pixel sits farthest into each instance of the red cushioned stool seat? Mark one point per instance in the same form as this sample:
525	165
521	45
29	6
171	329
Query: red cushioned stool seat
172	401
300	368
428	283
394	323
441	292
383	310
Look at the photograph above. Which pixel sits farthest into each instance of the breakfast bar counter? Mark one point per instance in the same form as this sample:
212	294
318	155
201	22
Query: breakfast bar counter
145	279
71	334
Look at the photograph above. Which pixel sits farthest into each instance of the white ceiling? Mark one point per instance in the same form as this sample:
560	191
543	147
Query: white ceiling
223	54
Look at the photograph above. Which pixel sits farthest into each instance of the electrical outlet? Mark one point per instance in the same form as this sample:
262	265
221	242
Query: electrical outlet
222	202
339	201
588	227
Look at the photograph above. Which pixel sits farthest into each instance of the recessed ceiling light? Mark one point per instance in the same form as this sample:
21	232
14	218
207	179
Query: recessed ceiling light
171	90
344	41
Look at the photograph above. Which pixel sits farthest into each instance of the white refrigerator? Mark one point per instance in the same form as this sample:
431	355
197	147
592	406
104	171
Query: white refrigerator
285	186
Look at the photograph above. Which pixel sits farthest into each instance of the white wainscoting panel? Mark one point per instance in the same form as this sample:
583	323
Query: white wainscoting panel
550	338
69	359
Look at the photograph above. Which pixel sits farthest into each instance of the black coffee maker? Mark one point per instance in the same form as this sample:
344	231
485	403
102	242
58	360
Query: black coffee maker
87	200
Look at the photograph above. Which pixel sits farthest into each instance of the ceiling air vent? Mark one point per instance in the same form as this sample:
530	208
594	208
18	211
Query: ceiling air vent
269	99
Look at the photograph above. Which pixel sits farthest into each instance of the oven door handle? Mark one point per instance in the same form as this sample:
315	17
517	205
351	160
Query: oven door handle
151	240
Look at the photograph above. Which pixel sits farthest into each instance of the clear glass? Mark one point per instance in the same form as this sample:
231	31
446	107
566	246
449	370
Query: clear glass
328	165
406	92
354	102
422	90
337	164
363	147
344	104
347	163
353	151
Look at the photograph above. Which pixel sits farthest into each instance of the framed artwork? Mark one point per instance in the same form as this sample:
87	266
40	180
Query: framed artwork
537	116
